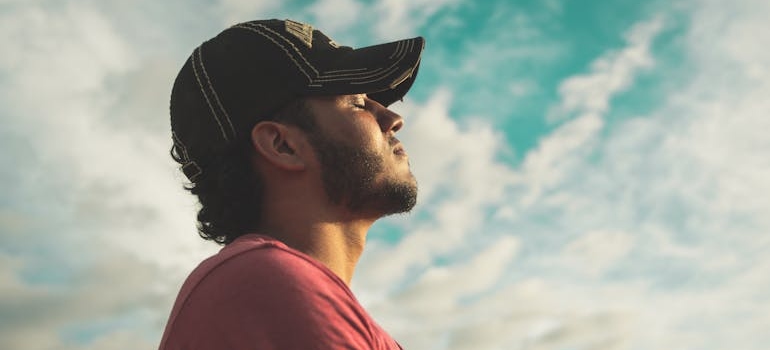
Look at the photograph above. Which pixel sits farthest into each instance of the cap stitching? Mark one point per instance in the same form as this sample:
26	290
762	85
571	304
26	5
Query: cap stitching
200	85
356	71
214	92
399	52
402	49
362	78
373	79
360	75
365	75
255	30
347	70
293	46
399	47
298	52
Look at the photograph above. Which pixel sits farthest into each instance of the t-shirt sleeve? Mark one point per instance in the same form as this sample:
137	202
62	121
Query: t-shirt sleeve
272	299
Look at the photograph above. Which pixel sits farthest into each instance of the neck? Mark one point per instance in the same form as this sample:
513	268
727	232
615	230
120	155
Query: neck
338	244
297	211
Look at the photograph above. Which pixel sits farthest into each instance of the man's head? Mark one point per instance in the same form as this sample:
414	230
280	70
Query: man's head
364	166
264	72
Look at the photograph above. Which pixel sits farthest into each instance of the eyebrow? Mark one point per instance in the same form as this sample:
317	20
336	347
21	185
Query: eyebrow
354	98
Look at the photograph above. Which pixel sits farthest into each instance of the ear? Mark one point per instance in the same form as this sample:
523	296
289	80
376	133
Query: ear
279	144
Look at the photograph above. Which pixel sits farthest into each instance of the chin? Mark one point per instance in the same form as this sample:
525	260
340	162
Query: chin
399	197
387	197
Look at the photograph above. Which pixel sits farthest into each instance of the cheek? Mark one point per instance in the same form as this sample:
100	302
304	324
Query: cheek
355	130
366	133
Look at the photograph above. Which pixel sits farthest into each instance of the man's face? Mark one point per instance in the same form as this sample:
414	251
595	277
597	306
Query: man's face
363	165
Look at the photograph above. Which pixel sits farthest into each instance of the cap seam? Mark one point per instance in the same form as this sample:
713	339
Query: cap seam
257	31
373	79
400	51
346	70
315	70
214	92
199	57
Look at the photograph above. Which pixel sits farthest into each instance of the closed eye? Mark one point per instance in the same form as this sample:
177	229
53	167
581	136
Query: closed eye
358	101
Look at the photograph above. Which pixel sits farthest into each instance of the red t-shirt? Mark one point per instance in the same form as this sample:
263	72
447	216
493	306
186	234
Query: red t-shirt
257	293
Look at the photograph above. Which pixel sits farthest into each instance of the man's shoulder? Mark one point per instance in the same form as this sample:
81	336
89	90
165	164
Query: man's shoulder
262	294
253	252
260	273
264	263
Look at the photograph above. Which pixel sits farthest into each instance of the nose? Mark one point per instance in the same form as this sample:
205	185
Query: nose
390	122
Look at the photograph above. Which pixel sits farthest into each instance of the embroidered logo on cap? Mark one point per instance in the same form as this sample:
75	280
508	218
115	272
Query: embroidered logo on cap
302	31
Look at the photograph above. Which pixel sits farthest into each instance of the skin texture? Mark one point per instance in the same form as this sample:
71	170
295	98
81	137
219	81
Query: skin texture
324	190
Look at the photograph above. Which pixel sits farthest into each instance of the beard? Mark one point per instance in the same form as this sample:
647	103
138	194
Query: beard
349	177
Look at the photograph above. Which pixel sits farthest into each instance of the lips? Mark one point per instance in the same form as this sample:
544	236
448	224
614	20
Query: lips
398	148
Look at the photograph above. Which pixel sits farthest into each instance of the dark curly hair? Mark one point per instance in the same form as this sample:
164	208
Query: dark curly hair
230	190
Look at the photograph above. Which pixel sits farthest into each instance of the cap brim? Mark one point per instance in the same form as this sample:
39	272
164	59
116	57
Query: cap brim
385	72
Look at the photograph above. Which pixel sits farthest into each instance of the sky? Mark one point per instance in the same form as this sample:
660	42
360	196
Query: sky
593	174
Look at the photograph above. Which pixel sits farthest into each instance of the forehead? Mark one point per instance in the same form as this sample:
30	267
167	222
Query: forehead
336	98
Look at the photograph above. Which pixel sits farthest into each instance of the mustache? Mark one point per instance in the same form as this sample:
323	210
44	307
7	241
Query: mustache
392	141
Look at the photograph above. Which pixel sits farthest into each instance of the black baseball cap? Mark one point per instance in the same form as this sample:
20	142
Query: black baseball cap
253	69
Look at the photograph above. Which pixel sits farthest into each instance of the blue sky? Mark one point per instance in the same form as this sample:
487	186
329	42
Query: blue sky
593	174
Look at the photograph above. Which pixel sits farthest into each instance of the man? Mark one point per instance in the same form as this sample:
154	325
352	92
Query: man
289	146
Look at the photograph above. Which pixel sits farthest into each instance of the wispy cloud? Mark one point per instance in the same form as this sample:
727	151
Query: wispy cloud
236	11
610	74
400	18
336	15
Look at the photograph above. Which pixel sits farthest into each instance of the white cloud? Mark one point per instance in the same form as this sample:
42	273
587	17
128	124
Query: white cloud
123	171
648	233
610	74
596	251
36	316
556	155
489	64
336	15
111	214
237	11
400	18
